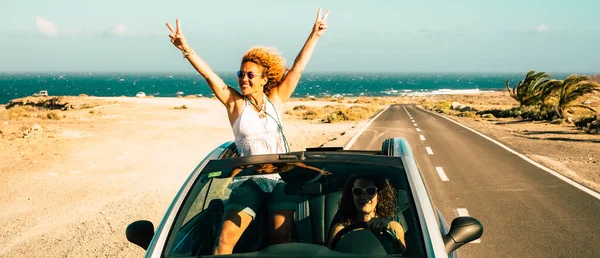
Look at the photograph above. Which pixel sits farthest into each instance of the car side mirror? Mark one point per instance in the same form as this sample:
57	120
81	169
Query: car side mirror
462	231
140	233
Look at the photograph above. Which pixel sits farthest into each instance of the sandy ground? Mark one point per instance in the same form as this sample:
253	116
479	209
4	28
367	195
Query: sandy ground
71	187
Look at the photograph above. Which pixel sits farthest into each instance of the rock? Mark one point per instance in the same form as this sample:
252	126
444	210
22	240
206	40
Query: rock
460	107
455	105
37	128
464	108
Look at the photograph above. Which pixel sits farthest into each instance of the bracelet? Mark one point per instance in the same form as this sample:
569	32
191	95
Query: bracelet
187	51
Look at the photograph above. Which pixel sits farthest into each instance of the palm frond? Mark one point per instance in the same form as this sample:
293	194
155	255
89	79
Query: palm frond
529	91
573	88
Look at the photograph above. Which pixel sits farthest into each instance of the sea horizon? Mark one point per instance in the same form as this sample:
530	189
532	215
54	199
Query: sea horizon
312	84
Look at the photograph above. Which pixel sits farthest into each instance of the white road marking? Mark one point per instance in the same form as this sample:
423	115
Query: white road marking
552	172
429	151
412	120
463	212
415	124
441	173
422	137
418	130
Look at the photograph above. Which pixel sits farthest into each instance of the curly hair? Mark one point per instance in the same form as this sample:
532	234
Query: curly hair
271	60
386	200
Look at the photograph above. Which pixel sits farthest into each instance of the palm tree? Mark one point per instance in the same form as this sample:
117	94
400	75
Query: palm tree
532	90
571	89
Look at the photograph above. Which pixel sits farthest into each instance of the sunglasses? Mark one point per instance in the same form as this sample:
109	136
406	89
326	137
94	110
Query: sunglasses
357	191
250	74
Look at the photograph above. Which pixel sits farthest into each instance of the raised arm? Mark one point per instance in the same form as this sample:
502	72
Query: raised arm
289	83
224	93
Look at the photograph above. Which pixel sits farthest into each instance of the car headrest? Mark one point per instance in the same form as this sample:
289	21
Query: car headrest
215	205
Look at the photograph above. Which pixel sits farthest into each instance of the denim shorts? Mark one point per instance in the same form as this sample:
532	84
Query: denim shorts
248	198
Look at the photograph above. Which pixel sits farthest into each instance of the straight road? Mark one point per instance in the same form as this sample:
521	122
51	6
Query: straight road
525	210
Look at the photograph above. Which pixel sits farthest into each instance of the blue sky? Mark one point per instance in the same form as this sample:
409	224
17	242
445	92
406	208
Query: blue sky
362	36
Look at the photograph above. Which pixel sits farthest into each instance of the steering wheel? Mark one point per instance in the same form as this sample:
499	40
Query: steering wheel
399	248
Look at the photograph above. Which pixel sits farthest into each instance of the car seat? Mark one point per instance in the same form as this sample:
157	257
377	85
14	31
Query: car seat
314	216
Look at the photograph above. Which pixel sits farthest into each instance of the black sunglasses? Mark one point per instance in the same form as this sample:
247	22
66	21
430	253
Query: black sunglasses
250	74
357	191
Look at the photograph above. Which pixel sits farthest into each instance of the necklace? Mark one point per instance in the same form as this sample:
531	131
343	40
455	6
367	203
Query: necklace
262	113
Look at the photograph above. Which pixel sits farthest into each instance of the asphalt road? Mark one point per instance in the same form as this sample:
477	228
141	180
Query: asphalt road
525	210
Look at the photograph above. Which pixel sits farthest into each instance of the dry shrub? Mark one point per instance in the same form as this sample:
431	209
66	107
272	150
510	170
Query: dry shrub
362	100
312	114
488	116
182	107
334	113
444	108
354	113
87	106
333	107
17	112
590	124
83	95
53	115
300	107
469	114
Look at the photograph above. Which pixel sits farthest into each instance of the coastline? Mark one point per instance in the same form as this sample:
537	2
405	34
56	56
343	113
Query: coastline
74	183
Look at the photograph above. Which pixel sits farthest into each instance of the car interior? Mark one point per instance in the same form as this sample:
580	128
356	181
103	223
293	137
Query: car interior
317	212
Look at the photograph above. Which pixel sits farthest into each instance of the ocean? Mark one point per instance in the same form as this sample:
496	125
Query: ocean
17	85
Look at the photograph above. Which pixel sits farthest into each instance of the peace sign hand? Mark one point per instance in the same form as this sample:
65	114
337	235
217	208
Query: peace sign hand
177	37
320	24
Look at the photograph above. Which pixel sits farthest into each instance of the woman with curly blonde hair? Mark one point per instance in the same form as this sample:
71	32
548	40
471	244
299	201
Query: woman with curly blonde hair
368	199
254	115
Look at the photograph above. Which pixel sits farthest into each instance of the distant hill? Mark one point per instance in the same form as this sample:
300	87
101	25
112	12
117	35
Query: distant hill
596	78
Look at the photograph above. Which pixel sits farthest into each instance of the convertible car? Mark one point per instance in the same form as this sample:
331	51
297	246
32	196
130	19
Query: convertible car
317	176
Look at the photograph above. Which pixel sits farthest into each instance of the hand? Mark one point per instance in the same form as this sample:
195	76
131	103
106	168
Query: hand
177	37
320	24
378	224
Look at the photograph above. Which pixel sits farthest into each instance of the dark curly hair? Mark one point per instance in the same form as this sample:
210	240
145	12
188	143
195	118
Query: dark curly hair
386	200
271	60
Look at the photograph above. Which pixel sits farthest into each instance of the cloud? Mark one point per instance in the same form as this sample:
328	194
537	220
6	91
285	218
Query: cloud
46	27
74	32
119	30
542	28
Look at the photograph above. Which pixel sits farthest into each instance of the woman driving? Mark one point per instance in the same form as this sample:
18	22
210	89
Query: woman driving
371	200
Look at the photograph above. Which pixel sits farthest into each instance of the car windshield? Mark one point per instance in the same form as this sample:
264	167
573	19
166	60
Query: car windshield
315	182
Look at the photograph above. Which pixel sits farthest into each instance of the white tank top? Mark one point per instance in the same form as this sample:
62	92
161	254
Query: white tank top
255	135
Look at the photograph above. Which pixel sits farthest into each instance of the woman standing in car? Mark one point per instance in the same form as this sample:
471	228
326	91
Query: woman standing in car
254	115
